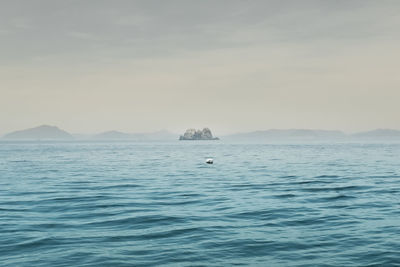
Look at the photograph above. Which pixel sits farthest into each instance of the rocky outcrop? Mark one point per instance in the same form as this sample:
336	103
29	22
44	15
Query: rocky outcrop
193	134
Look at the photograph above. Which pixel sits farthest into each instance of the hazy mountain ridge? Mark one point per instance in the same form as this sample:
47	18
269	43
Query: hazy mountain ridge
290	134
378	133
39	133
314	135
46	132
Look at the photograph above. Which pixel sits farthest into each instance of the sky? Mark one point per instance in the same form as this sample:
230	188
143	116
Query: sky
234	66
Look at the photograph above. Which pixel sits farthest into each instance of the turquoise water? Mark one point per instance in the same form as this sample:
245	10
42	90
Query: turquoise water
159	204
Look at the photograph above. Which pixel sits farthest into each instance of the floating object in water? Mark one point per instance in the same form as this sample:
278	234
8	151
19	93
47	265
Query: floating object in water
209	161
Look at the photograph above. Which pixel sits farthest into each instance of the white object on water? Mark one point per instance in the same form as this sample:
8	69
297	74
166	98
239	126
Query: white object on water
209	161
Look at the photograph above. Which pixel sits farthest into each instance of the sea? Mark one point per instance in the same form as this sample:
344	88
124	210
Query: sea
160	204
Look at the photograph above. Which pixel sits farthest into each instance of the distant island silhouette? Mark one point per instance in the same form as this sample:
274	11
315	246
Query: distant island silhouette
39	133
304	135
193	134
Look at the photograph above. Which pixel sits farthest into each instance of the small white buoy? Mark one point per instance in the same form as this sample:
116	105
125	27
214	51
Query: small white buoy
209	161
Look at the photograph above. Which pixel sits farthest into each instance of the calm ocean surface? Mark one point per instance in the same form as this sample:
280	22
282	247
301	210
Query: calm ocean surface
159	204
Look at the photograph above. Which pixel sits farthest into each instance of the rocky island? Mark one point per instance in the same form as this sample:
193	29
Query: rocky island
193	134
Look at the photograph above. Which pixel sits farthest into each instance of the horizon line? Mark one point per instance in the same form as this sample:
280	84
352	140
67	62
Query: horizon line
226	134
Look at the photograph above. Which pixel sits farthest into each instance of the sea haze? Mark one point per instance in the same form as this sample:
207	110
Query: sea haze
47	132
152	204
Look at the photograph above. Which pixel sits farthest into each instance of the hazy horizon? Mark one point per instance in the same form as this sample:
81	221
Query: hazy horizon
233	66
182	132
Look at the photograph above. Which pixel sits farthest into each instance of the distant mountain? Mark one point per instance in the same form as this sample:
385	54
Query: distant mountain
112	135
44	132
378	134
155	136
287	135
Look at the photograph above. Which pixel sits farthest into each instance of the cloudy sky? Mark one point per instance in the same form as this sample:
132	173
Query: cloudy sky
138	66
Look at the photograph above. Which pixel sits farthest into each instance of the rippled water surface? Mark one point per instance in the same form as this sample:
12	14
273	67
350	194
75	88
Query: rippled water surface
152	204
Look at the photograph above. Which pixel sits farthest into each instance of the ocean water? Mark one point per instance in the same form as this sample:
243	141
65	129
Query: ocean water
159	204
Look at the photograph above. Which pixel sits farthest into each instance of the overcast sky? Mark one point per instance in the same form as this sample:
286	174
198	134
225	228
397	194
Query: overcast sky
138	66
